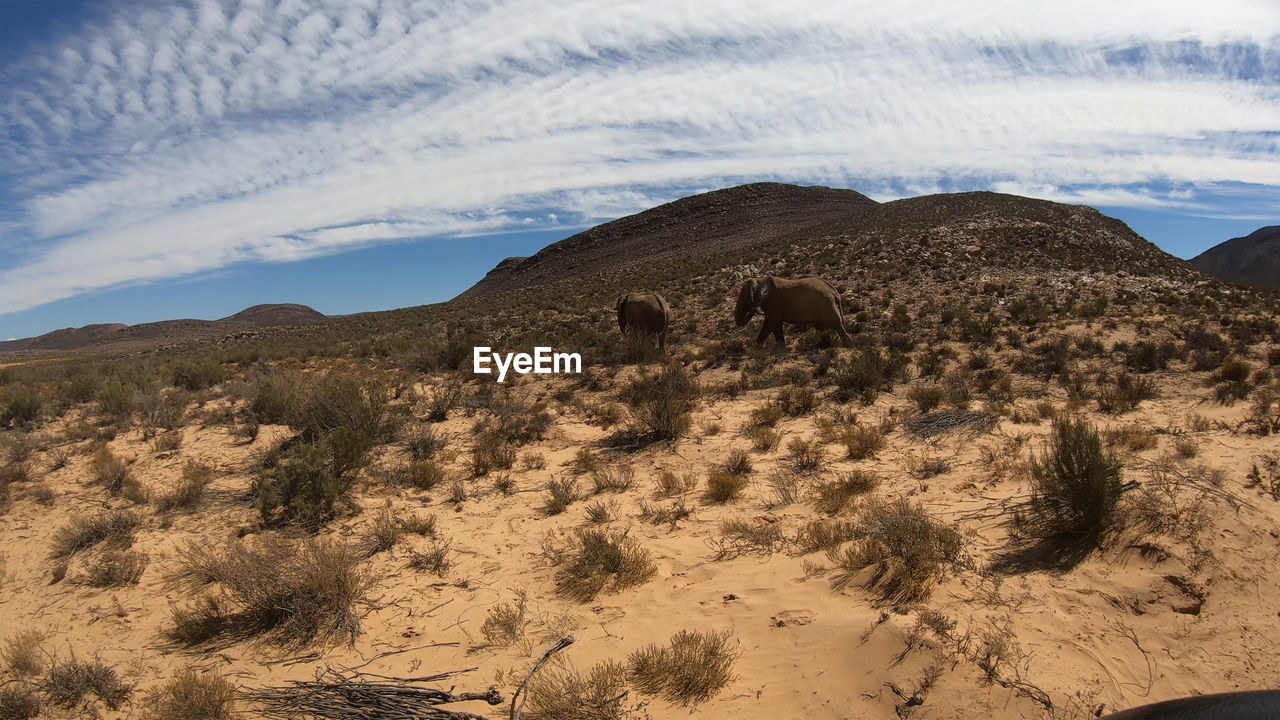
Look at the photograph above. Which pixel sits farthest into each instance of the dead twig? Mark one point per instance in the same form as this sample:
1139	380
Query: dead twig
556	647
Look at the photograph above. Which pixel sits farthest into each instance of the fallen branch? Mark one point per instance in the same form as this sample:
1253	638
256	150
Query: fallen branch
355	696
559	645
936	423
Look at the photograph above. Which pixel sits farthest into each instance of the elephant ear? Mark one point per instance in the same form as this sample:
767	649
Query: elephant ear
761	291
622	318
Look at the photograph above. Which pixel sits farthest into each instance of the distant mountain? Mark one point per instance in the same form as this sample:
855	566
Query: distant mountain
168	331
276	315
1253	259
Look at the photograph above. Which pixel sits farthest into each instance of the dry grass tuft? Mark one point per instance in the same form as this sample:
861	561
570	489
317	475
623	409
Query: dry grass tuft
692	668
113	527
603	561
435	560
905	549
19	703
559	692
21	653
833	496
189	490
293	594
724	486
193	695
116	568
67	683
506	622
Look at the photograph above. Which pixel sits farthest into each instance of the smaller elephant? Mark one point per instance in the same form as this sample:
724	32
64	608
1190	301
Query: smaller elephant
645	312
800	301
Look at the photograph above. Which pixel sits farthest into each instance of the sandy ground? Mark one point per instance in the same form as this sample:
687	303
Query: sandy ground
1114	631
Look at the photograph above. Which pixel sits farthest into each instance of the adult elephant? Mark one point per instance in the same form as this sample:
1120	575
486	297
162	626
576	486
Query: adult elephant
800	301
645	312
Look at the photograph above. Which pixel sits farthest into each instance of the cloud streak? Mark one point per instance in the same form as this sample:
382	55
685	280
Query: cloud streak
181	140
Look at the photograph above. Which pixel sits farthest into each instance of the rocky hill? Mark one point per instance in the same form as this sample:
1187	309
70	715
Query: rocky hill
1252	260
735	220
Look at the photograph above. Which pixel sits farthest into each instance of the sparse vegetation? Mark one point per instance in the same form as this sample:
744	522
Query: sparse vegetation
833	496
603	561
691	668
113	527
905	549
193	695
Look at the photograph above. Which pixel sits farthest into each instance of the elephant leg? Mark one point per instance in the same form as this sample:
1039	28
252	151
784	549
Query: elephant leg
662	341
764	333
777	332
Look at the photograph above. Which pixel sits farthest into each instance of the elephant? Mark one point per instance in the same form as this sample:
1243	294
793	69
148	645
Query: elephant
645	312
801	301
1247	705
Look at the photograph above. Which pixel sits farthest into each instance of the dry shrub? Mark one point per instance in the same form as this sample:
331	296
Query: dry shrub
435	560
1123	393
189	490
560	495
506	622
671	514
21	653
559	692
861	441
764	439
612	478
382	534
724	486
669	484
423	442
599	512
691	668
116	568
744	537
661	403
109	471
293	594
825	535
1134	438
19	703
414	524
905	548
444	397
67	683
805	456
193	695
785	486
796	401
603	561
423	474
926	397
114	527
765	416
833	496
1075	485
738	463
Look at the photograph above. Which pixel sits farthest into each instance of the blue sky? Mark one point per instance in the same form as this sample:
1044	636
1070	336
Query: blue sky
189	159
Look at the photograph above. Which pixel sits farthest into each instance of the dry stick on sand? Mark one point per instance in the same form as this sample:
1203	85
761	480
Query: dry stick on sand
559	645
354	696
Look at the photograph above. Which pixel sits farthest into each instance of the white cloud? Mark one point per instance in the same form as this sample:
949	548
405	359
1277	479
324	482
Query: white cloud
183	139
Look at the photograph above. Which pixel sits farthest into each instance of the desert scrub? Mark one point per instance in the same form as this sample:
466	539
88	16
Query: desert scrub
67	684
691	668
109	471
925	397
743	537
116	568
198	373
860	441
22	653
906	549
20	405
805	456
560	692
113	527
188	491
723	486
1123	393
560	495
832	496
661	403
436	560
1075	485
193	695
19	702
304	483
291	594
603	561
612	478
423	442
505	623
825	535
669	484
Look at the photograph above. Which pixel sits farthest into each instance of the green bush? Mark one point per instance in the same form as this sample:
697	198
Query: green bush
1075	485
20	405
198	373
